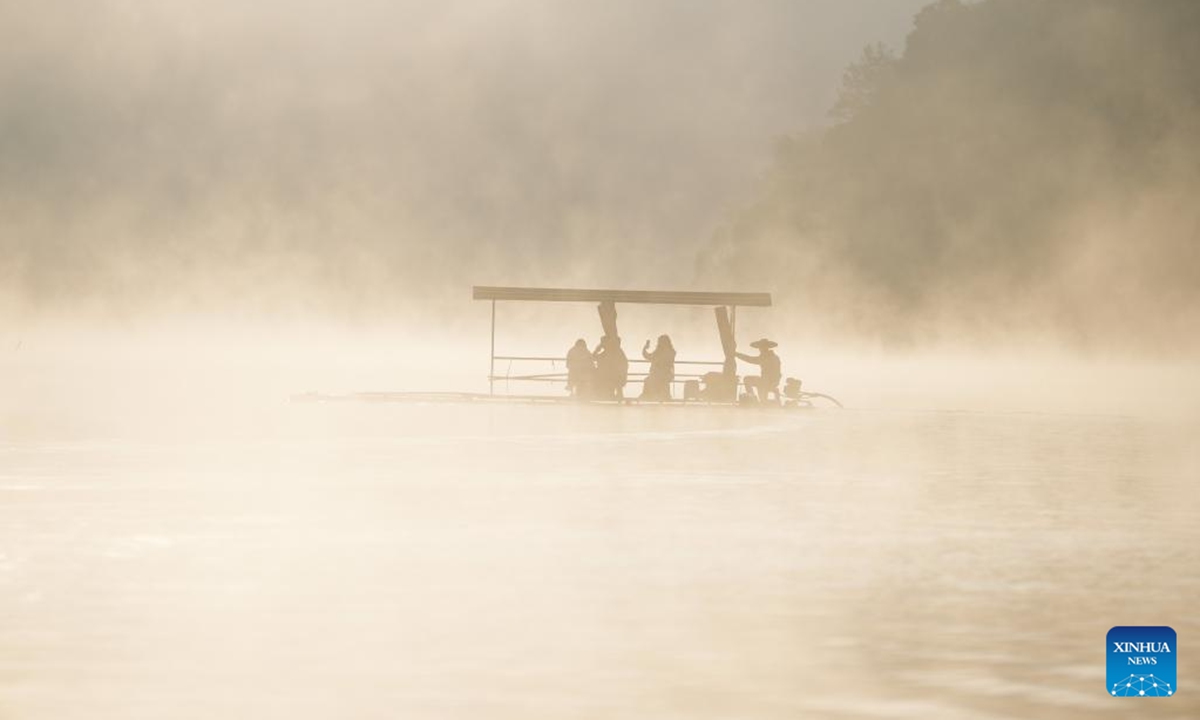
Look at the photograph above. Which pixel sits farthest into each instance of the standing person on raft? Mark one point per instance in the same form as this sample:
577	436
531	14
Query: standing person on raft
657	385
581	368
612	369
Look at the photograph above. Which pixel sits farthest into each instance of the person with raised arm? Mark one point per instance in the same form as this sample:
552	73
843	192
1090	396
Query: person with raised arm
770	370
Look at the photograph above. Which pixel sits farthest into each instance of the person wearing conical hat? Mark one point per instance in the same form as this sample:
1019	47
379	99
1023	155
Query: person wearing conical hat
771	371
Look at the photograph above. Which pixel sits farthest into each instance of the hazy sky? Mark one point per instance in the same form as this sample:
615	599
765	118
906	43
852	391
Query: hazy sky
180	152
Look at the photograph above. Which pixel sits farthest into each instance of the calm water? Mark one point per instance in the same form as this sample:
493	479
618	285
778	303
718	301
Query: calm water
329	560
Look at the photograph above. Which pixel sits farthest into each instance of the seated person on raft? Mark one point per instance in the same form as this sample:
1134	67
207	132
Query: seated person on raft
761	386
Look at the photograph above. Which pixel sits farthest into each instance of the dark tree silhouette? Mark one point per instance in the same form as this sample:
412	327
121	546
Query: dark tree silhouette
1022	163
862	80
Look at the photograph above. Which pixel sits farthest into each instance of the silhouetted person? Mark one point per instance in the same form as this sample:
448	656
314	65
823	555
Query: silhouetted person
657	385
761	386
581	368
612	368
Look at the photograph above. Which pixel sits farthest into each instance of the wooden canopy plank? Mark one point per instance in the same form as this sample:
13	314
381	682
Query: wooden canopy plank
661	297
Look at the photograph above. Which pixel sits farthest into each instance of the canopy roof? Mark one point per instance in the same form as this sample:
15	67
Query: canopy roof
661	297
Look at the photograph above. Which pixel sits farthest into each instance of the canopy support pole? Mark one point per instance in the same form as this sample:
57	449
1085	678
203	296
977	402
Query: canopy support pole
492	357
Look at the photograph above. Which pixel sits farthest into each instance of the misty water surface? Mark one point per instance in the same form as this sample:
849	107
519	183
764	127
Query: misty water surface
547	562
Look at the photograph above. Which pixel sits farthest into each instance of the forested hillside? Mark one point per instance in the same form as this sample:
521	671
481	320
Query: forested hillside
1018	165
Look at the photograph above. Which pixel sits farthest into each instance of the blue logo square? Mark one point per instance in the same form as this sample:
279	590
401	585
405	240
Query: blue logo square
1141	661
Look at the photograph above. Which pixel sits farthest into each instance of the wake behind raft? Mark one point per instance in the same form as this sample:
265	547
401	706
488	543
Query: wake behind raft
692	383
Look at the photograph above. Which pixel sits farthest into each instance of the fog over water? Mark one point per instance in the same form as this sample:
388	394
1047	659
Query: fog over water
348	159
372	160
978	227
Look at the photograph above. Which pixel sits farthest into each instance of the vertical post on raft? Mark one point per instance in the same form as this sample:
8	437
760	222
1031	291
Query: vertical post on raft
728	344
608	317
733	320
726	389
492	355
